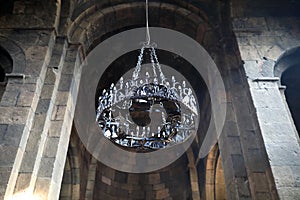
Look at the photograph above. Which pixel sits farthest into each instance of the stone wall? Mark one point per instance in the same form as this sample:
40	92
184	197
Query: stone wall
169	183
37	105
262	40
47	43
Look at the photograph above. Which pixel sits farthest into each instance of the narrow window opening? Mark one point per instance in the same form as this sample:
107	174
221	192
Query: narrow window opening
2	82
290	78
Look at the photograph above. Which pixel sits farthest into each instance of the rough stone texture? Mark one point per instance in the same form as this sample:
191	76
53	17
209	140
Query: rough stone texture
46	42
166	183
261	44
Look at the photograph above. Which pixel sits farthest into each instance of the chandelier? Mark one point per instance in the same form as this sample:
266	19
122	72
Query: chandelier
148	111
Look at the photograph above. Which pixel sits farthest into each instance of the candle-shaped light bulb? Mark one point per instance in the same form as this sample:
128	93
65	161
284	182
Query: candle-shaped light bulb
144	131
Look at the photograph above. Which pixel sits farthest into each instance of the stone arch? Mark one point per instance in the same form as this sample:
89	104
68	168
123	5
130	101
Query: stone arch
70	189
93	25
97	22
67	7
287	68
220	188
16	53
83	6
214	176
287	59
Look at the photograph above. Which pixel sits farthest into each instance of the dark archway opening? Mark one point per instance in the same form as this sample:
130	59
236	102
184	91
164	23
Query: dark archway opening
2	74
6	66
290	78
6	7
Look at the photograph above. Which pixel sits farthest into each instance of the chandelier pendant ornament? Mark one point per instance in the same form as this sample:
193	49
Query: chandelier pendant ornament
147	111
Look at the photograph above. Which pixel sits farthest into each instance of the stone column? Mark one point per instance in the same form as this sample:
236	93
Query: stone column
279	134
39	165
261	41
246	168
54	153
19	101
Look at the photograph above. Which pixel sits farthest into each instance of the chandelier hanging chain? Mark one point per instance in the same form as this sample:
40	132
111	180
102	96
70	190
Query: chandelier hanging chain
162	76
137	70
153	57
148	39
153	64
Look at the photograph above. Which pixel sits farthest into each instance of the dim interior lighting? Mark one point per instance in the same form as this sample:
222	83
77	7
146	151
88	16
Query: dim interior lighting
127	110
